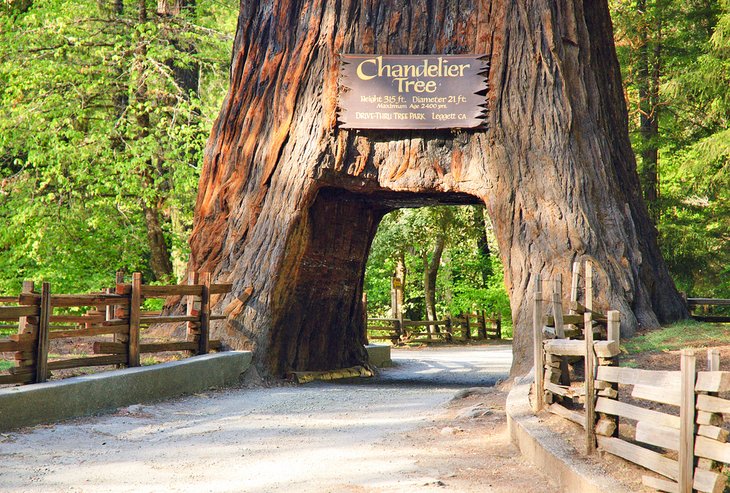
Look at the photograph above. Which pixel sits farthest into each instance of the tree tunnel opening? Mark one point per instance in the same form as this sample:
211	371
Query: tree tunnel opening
320	322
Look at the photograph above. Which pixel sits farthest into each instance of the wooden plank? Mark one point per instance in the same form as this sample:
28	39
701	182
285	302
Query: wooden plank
688	367
635	376
711	318
713	432
712	419
176	290
422	323
77	319
7	345
558	306
391	320
9	379
217	317
13	313
657	394
641	456
610	406
94	331
589	365
657	435
709	481
538	355
713	404
606	349
135	299
158	347
712	449
103	347
221	288
708	302
568	414
166	319
87	361
204	336
565	347
660	484
712	381
68	300
564	390
41	352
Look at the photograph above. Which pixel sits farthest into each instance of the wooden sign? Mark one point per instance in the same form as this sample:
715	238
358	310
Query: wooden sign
412	91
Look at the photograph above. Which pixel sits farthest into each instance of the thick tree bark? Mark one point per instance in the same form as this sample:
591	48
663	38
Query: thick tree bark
289	203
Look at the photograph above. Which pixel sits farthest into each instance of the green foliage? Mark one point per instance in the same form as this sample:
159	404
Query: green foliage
94	127
461	287
688	51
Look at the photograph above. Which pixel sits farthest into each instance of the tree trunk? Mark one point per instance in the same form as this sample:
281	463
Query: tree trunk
400	272
430	274
648	74
289	203
160	262
479	226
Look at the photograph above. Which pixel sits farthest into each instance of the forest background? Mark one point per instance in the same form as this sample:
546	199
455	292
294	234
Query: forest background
106	105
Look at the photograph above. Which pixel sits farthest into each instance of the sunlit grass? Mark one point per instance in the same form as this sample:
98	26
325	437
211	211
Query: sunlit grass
684	334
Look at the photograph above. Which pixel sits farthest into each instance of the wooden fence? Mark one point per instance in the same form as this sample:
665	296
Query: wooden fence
475	326
674	417
116	315
708	303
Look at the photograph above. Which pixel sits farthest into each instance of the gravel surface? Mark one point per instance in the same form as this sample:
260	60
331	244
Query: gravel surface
402	431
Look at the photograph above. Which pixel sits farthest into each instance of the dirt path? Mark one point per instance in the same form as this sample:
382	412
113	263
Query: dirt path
401	432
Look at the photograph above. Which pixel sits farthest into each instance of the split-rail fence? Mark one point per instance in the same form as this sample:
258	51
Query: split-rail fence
471	326
671	421
114	315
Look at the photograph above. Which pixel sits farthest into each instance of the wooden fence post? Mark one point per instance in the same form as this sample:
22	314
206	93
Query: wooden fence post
713	360
498	324
613	331
687	422
447	329
538	348
467	327
193	328
558	306
590	376
482	328
41	353
135	300
204	337
25	327
574	285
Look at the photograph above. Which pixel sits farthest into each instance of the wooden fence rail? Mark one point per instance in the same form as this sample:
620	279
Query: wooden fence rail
683	417
115	313
704	303
468	326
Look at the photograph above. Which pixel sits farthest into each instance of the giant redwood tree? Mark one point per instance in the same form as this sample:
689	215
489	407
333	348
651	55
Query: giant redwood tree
289	203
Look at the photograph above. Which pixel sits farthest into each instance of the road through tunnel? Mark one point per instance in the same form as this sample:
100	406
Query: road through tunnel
321	326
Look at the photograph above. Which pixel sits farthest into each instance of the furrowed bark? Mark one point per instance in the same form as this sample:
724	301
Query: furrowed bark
288	203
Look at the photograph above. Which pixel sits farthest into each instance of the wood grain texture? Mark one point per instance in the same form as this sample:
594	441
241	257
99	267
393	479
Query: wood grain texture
289	203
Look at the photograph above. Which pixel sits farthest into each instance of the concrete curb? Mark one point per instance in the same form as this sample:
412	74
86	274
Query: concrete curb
379	355
550	452
90	394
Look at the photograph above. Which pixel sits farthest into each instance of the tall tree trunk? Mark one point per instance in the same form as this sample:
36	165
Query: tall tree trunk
430	275
482	245
160	262
648	73
289	203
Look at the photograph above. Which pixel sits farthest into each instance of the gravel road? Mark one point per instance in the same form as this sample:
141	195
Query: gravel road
400	431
